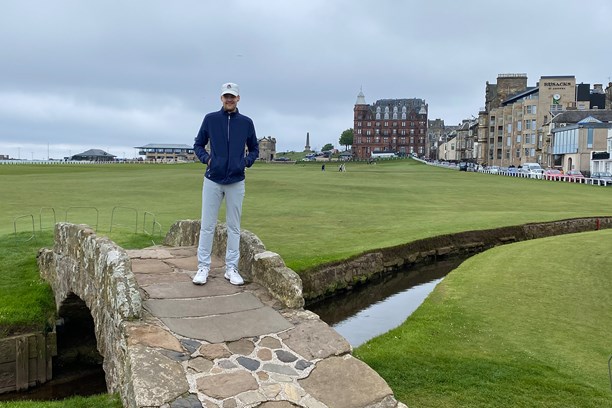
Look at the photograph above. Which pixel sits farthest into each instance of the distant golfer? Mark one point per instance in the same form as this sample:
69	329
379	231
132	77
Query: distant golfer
228	132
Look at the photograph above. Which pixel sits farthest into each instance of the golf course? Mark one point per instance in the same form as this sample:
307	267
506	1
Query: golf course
521	325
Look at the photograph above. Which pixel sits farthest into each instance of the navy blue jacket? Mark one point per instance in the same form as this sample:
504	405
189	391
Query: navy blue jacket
228	134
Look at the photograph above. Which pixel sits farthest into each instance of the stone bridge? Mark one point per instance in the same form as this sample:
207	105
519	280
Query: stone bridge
168	343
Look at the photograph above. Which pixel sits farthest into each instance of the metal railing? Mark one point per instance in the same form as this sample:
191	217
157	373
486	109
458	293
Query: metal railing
124	208
84	208
47	219
21	217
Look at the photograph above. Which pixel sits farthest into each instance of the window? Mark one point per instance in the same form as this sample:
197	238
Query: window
358	124
518	153
590	138
509	128
358	131
509	141
518	138
377	131
519	125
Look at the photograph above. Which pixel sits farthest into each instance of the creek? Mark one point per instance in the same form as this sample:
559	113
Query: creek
369	310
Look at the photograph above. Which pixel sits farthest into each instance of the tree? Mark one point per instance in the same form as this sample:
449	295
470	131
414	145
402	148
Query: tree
327	147
346	139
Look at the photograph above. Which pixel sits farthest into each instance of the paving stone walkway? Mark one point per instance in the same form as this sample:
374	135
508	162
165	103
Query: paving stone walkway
219	345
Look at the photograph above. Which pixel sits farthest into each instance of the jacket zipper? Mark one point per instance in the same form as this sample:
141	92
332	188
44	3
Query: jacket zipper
227	166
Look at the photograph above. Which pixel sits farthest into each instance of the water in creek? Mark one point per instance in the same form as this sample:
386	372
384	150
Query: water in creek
370	310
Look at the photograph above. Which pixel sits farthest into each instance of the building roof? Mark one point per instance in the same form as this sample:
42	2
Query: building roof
164	146
575	116
95	153
528	91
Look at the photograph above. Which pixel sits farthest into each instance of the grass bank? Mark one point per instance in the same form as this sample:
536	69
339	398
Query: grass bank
523	325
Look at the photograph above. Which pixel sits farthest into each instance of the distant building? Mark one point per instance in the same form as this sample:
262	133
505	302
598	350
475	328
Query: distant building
96	155
267	148
167	152
516	124
577	135
437	134
389	125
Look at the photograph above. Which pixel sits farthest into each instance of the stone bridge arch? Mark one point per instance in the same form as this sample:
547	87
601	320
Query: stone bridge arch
97	271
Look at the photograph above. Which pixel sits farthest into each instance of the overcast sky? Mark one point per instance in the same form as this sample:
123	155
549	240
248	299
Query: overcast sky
112	75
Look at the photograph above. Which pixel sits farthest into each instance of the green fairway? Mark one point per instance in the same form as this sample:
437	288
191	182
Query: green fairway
306	215
517	326
523	325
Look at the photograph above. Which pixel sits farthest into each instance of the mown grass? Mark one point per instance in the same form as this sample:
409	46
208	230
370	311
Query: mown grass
306	215
310	217
523	325
97	401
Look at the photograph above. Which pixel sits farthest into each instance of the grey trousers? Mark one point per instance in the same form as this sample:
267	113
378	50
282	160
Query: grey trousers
212	196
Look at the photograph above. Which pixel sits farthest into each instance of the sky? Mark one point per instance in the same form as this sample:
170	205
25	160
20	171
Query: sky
115	75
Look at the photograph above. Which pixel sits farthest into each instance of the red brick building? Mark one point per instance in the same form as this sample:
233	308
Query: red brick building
389	125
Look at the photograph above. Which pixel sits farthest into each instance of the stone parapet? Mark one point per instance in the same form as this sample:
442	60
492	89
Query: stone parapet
99	272
256	263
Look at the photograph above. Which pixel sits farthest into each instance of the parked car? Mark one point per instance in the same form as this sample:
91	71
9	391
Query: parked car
574	174
536	173
493	169
463	166
603	175
553	174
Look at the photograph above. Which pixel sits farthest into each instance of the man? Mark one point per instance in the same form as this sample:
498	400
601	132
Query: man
228	132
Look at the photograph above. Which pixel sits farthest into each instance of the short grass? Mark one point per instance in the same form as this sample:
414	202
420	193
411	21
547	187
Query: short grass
310	217
306	215
523	325
98	401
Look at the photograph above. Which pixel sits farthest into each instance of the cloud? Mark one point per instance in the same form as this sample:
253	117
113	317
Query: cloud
120	74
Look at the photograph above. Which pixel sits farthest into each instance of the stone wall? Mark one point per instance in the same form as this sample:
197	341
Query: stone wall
326	280
99	272
256	263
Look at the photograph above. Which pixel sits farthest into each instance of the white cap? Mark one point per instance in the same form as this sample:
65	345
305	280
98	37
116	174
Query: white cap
230	88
